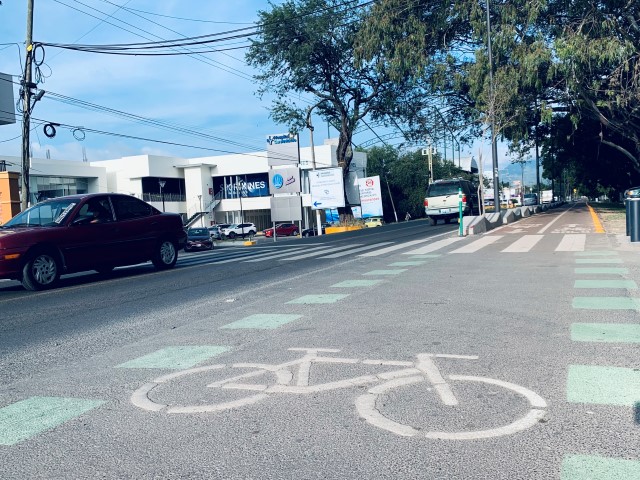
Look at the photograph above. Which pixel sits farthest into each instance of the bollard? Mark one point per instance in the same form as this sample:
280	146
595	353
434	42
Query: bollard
630	193
634	219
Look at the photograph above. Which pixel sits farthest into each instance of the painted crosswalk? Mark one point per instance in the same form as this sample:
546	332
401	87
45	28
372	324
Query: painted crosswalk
449	245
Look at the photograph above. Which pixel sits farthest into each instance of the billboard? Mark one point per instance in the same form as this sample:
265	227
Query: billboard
284	180
370	197
287	208
282	149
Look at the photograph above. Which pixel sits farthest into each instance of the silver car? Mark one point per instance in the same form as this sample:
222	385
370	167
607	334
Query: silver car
530	199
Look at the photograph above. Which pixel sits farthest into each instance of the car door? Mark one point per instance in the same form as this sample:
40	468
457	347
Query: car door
91	237
138	228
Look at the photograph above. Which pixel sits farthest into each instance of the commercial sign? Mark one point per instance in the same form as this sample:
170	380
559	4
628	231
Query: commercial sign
327	188
284	180
282	149
249	185
370	196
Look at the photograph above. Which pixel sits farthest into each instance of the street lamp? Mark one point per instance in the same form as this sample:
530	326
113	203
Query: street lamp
162	183
494	147
201	213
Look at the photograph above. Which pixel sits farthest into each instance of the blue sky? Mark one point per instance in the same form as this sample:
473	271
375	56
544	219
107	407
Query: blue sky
213	95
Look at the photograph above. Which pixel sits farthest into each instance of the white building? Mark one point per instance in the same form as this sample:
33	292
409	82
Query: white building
219	189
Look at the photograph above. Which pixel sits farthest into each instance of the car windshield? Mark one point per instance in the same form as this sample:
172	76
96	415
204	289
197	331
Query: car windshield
198	231
440	189
46	214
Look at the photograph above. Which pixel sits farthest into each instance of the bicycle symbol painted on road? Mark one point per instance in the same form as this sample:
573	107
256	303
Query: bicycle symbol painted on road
293	378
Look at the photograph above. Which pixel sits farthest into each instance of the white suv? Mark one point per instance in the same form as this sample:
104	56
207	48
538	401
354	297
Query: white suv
441	200
239	229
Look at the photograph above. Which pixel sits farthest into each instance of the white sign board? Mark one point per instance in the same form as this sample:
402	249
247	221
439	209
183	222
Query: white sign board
287	208
282	149
370	196
284	180
327	188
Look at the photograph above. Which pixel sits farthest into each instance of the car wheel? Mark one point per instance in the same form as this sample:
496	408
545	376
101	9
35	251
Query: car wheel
41	271
232	235
432	221
251	233
166	255
295	233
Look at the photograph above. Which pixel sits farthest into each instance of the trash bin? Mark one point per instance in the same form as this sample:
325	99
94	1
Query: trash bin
632	207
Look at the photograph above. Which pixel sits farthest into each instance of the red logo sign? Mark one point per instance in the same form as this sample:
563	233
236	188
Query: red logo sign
369	182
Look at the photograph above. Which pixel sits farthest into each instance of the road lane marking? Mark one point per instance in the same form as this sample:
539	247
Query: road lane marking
572	243
603	270
176	358
542	230
393	248
605	332
434	246
606	303
603	385
407	264
263	321
598	260
478	244
270	256
596	253
356	283
523	244
354	250
628	284
24	419
321	298
591	467
397	271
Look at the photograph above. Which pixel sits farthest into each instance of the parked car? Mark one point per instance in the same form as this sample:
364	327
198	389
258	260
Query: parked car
215	233
198	239
86	232
312	232
282	230
373	222
441	200
239	229
530	199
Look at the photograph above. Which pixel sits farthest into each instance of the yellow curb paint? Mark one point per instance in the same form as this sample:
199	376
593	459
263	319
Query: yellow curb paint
596	221
249	243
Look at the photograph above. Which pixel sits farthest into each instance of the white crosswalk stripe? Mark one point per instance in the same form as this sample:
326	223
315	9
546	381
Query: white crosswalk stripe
572	243
354	250
273	256
434	246
478	244
523	244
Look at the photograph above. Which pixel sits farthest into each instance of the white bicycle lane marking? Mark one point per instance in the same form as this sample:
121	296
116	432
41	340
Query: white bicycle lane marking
286	382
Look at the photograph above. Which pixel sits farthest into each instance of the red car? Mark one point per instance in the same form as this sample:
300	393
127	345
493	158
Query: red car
86	232
282	230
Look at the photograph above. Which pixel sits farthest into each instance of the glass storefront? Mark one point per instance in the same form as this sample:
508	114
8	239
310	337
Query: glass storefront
42	188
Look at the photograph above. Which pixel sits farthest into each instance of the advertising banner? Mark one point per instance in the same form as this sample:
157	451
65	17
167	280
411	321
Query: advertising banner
284	180
370	197
282	149
327	188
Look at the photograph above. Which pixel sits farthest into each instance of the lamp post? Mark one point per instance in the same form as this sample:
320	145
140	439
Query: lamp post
200	205
162	183
313	166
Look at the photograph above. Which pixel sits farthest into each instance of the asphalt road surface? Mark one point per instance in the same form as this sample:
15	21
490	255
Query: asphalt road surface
398	352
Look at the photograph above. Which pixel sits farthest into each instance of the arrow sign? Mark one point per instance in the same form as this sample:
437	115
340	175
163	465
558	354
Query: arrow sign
315	204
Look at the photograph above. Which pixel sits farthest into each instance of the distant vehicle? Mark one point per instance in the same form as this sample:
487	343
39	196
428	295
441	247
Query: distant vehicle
530	199
441	200
373	222
198	239
239	229
547	196
86	232
214	232
282	230
312	232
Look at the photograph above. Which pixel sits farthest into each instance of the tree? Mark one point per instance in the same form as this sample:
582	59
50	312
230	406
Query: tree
306	47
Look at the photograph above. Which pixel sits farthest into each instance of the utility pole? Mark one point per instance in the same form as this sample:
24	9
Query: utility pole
492	106
26	107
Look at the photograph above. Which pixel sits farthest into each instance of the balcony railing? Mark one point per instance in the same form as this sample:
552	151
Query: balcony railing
168	197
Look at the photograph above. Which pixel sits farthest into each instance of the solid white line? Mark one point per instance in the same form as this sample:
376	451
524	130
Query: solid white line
523	244
572	242
353	250
478	244
434	246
